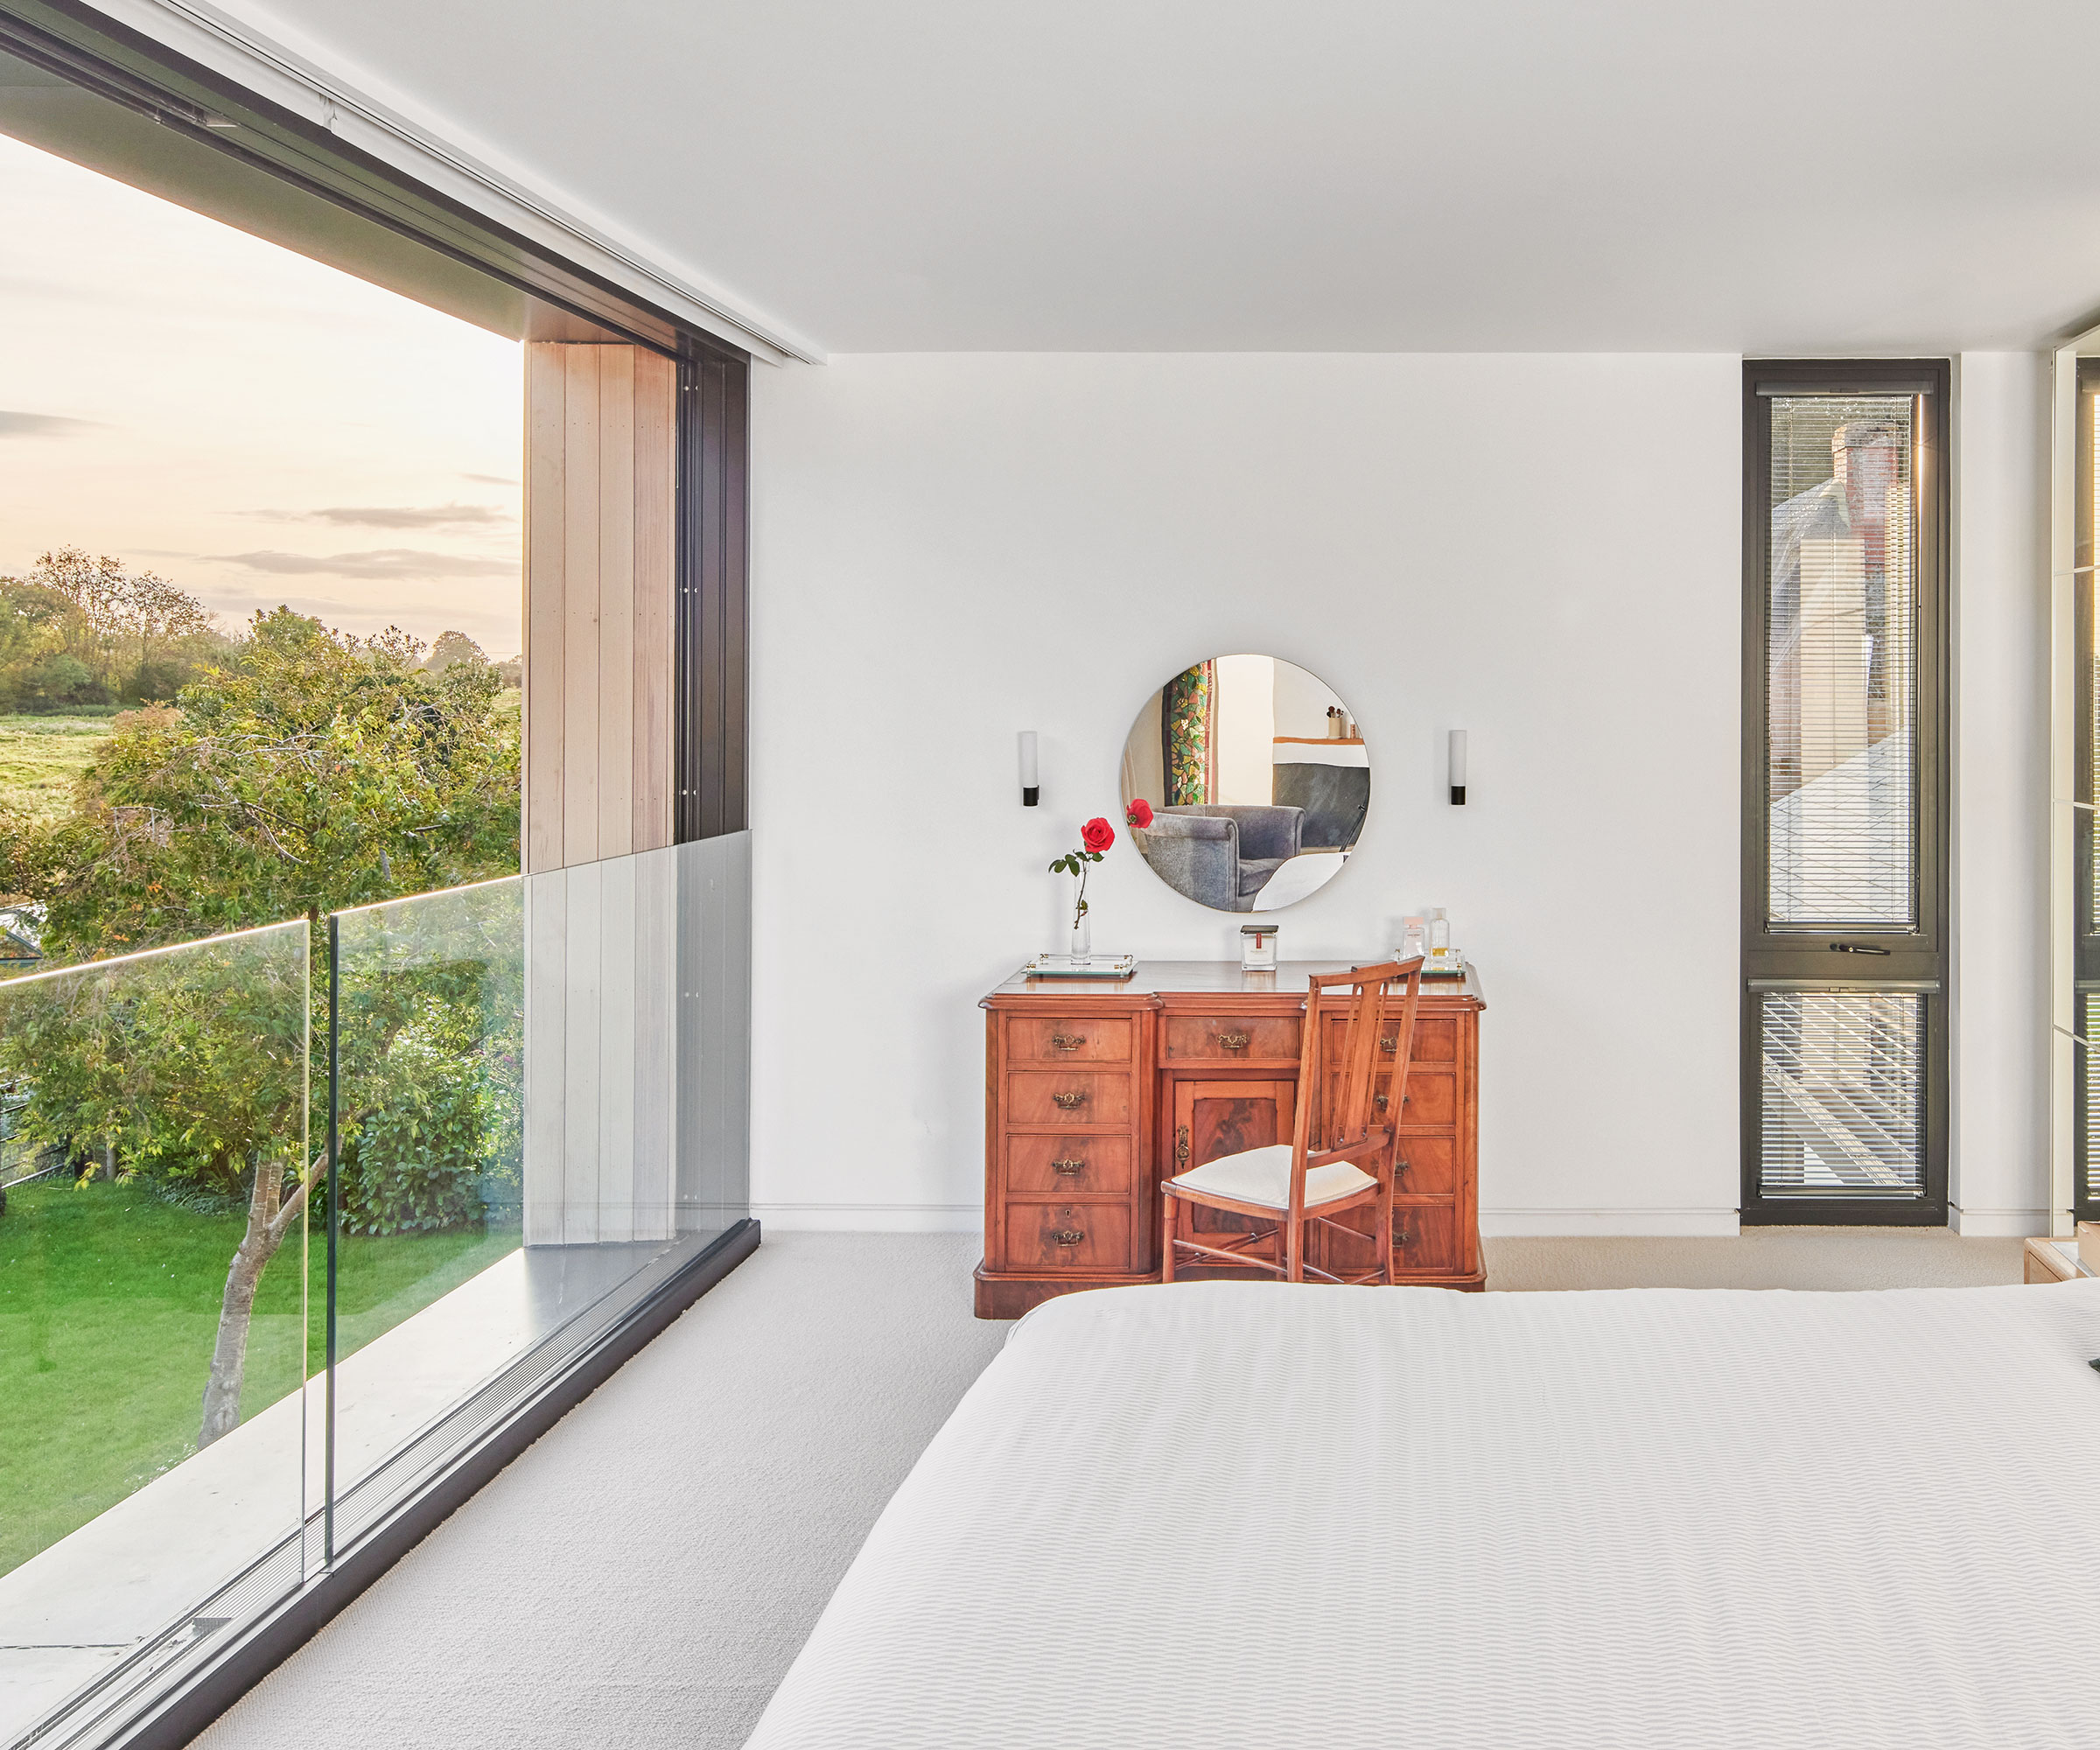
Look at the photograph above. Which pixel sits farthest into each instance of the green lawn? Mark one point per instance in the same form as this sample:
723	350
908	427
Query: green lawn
41	756
109	1307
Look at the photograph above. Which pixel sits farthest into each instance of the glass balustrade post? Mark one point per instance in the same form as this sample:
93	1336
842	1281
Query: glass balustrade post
335	1228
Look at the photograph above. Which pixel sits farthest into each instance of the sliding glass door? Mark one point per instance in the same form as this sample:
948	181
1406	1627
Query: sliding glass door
1845	1030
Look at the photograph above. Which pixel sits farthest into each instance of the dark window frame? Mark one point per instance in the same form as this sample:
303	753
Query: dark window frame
1916	959
712	623
2085	916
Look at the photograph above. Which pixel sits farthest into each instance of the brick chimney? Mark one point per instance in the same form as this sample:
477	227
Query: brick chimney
1865	458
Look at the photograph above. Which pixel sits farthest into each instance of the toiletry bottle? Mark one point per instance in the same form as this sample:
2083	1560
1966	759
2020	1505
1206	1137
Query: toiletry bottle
1414	939
1439	932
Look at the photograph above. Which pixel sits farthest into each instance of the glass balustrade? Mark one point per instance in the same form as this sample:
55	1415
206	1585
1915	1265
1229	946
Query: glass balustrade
223	1363
154	1331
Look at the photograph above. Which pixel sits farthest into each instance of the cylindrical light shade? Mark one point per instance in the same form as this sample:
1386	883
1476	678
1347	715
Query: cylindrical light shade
1031	791
1458	768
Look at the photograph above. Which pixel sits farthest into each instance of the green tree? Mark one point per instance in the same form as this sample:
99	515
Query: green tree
82	630
450	647
316	771
313	772
153	617
189	1066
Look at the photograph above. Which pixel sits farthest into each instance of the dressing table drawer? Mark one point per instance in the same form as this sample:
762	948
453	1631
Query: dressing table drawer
1230	1039
1432	1101
1089	1038
1074	1099
1070	1166
1076	1236
1427	1166
1436	1040
1426	1238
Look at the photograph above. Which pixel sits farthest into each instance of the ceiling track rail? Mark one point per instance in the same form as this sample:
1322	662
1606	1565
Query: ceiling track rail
190	67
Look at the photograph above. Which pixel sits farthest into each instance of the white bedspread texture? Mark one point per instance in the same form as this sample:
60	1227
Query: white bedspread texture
1226	1514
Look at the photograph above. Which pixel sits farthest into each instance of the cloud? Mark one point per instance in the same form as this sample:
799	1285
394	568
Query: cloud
42	425
489	480
395	516
400	563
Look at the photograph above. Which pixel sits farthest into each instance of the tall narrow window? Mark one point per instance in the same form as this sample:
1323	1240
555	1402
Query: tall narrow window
1844	757
2086	1121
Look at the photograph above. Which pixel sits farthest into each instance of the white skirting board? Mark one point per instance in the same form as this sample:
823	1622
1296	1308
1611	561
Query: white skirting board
1722	1224
1999	1224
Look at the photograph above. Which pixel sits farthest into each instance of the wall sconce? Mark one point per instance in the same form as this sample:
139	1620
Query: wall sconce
1030	790
1458	768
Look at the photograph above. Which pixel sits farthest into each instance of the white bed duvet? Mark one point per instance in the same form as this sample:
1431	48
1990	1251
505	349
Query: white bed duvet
1227	1513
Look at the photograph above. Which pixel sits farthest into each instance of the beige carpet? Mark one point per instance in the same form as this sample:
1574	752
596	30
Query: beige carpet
642	1577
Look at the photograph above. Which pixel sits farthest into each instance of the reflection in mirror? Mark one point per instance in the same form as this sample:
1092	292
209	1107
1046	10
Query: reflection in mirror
1258	781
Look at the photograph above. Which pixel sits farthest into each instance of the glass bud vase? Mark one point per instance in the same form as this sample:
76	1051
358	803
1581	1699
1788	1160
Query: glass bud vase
1081	945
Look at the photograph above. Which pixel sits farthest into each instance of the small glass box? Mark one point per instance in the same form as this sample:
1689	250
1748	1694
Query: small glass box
1257	948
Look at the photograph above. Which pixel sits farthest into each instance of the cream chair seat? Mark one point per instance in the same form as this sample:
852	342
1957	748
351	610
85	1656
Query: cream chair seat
1262	1176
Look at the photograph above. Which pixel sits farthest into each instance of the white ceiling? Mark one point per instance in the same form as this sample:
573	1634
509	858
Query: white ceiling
1855	176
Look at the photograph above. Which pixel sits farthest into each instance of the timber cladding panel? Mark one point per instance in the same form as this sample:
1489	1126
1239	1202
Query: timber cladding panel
600	565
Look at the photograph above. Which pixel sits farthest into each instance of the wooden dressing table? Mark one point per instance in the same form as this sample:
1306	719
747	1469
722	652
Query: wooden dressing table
1096	1090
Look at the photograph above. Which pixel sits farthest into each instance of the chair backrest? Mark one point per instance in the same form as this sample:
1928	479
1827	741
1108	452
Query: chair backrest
1371	1021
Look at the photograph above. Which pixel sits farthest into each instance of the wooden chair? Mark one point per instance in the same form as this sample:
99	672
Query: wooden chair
1288	1185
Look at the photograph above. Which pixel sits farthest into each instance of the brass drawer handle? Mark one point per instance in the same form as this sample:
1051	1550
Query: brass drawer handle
1068	1041
1403	1238
1068	1167
1232	1041
1388	1045
1071	1102
1182	1145
1068	1237
1381	1101
1399	1169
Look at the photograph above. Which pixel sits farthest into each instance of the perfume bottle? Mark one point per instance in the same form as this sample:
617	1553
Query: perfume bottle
1439	932
1414	939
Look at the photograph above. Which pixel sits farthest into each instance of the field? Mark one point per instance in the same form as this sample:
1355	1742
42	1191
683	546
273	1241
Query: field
41	756
108	1306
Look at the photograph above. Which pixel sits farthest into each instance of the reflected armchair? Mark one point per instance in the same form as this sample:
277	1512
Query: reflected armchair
1222	854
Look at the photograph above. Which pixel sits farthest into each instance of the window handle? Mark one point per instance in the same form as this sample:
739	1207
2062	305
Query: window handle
1855	948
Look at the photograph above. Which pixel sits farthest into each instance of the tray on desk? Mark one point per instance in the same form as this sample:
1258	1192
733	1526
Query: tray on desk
1117	966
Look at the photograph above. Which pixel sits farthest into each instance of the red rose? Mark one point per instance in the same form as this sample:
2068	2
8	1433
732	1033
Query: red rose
1139	813
1097	835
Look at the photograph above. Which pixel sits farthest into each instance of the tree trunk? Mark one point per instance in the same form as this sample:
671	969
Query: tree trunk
266	1228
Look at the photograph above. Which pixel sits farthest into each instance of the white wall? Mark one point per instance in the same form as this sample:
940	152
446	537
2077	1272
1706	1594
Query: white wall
1246	729
1302	702
1543	551
1998	1174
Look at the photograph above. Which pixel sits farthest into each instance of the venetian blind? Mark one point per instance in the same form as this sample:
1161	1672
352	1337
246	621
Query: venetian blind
1841	655
1844	1075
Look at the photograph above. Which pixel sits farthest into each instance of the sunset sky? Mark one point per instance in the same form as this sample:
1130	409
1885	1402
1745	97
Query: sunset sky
257	427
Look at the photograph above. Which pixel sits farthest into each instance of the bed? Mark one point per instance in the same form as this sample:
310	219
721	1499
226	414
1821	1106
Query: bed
1246	1514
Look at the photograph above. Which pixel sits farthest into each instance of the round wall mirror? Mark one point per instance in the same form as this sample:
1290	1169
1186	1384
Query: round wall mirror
1256	780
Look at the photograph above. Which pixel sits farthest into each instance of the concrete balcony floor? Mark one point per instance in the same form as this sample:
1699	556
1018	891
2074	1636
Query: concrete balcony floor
77	1610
